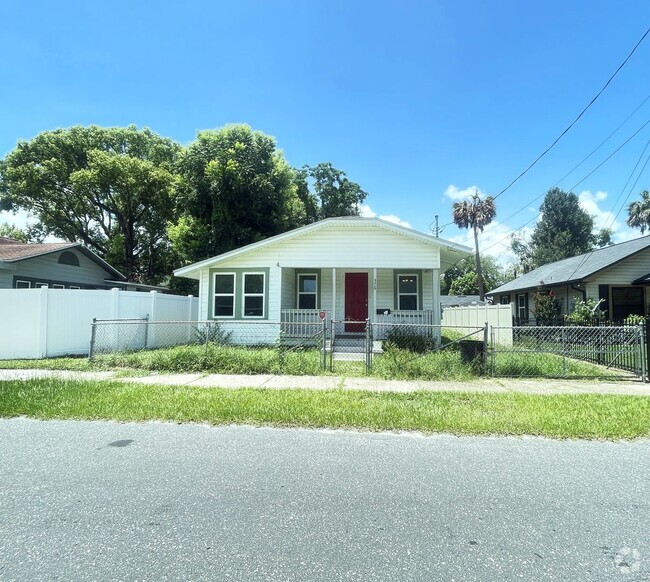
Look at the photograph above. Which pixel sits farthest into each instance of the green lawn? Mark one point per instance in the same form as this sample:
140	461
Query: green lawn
394	364
557	416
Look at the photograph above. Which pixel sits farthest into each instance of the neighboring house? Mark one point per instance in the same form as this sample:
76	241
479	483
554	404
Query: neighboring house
617	275
351	268
58	266
460	301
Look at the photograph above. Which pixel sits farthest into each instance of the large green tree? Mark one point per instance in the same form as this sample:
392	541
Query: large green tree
237	189
110	188
461	279
327	192
11	231
476	214
564	230
638	213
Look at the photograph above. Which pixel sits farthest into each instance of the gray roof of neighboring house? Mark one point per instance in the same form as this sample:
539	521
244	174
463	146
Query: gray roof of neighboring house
12	250
575	269
460	300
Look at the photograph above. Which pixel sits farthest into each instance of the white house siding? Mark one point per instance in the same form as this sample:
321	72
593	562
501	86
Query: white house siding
288	290
358	247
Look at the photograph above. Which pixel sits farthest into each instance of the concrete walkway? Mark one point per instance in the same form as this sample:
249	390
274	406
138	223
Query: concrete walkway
530	386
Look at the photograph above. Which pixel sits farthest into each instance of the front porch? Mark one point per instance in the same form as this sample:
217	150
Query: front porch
405	295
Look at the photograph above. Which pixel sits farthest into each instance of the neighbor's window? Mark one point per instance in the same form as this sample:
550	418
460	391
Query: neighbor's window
407	292
307	290
23	284
505	299
224	295
253	295
68	258
58	286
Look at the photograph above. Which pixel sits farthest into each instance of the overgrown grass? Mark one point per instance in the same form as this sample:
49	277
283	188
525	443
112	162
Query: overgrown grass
537	365
557	416
395	363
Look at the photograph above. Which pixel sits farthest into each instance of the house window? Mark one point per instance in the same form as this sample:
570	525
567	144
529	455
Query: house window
41	285
626	301
522	312
505	299
307	290
253	295
58	286
74	287
407	292
68	258
224	295
23	284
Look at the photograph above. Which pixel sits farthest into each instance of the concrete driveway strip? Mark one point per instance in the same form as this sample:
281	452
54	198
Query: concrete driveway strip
115	501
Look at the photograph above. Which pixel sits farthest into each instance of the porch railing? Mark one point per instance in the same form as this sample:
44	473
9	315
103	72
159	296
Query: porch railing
415	317
300	322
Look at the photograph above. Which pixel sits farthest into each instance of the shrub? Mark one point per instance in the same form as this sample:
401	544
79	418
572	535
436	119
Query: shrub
546	307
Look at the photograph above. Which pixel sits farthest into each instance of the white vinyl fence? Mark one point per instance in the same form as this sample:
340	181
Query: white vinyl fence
42	323
469	318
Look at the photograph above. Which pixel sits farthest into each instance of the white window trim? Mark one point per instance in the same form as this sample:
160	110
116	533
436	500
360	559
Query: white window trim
75	287
37	285
58	286
299	292
29	284
233	295
417	291
244	295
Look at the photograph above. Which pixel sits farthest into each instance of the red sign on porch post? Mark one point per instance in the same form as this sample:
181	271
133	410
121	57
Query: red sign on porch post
321	314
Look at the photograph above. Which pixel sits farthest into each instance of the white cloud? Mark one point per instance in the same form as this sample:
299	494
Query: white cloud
366	211
454	193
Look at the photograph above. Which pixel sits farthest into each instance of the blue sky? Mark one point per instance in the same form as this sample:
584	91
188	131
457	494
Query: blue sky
419	102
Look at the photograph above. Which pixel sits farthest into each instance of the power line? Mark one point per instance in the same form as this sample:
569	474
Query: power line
549	148
489	227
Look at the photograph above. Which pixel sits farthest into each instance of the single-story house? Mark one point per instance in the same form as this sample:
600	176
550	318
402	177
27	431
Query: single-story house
58	266
348	269
617	275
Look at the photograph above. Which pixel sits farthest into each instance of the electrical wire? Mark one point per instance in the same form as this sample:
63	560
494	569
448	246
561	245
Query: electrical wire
593	100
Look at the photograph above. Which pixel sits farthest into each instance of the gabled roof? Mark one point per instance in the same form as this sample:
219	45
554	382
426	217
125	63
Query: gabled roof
575	269
346	220
12	251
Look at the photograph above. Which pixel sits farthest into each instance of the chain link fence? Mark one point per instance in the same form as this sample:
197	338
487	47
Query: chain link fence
396	350
569	351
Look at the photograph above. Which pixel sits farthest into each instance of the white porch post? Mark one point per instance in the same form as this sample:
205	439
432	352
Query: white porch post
333	292
436	297
372	313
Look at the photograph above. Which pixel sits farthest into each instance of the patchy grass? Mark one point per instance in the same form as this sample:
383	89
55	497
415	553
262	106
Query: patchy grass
393	364
557	416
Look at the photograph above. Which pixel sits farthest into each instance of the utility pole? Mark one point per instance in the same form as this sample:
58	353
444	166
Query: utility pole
436	230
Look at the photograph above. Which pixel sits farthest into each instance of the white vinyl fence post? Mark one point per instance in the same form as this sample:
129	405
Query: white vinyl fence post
42	332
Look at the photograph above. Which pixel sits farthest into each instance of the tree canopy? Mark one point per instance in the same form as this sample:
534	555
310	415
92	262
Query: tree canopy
461	279
638	213
475	214
10	231
564	230
147	205
111	188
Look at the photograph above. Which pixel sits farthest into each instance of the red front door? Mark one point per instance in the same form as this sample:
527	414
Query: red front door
356	301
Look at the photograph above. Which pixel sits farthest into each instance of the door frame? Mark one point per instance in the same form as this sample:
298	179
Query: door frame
356	327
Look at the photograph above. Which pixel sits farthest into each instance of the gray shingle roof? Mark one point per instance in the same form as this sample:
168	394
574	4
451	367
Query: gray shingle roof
575	268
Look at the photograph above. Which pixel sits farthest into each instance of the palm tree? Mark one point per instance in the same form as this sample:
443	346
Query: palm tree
475	213
638	213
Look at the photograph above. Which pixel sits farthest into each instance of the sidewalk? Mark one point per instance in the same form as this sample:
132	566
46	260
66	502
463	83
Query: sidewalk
529	386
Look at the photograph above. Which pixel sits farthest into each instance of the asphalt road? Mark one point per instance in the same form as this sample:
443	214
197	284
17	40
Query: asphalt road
110	501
